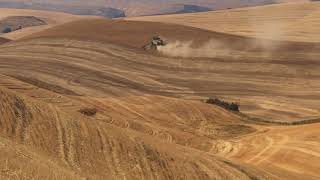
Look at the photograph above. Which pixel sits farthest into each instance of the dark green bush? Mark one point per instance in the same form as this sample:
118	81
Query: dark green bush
88	111
7	30
226	105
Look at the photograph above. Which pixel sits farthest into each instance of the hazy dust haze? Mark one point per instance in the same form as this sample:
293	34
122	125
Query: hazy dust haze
186	49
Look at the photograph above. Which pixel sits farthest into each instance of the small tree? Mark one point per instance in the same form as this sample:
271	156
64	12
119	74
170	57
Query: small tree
224	104
234	107
88	111
7	30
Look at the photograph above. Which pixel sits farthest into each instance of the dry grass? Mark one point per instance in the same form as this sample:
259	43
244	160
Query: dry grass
292	22
51	19
125	146
88	111
286	70
151	123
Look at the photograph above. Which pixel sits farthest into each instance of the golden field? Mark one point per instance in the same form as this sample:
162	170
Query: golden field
151	121
290	22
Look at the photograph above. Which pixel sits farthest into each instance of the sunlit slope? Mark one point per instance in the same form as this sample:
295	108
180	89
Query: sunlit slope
138	146
3	40
132	34
172	120
250	72
151	121
51	18
293	22
135	138
19	162
131	136
296	150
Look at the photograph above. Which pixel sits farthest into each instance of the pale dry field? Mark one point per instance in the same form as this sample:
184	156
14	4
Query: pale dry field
51	18
248	72
291	22
151	121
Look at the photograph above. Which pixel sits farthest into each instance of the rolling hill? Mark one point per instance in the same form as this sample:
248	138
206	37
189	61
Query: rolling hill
225	67
291	22
48	20
14	23
83	9
147	116
116	8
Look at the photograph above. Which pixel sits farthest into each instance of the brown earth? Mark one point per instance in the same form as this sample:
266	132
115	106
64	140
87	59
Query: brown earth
225	75
151	121
50	19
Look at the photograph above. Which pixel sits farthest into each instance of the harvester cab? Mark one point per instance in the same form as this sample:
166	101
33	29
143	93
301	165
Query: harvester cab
155	42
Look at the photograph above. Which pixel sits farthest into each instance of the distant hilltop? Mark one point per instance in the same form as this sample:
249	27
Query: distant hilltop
116	8
73	9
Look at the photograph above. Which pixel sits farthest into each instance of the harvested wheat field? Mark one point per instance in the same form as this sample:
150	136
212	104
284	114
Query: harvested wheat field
50	19
290	22
83	100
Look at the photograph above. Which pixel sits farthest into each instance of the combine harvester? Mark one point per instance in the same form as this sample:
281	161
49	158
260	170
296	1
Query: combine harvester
154	44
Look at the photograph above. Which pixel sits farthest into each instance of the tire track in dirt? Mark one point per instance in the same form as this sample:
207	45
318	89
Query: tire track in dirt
60	135
115	157
71	147
270	144
104	149
65	139
102	78
166	136
244	171
169	138
302	150
275	148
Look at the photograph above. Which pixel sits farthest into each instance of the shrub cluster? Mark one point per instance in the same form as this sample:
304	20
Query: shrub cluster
294	123
7	30
226	105
88	111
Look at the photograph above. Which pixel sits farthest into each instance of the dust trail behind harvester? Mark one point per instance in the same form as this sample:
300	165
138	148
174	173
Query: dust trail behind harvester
266	40
186	49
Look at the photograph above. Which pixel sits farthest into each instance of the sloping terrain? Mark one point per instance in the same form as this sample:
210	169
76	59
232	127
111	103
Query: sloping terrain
223	73
293	22
13	23
116	8
293	149
121	141
3	40
149	120
78	9
184	8
48	19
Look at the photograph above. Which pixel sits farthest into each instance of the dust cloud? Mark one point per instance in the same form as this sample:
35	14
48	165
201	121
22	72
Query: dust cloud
218	49
186	49
268	34
267	37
